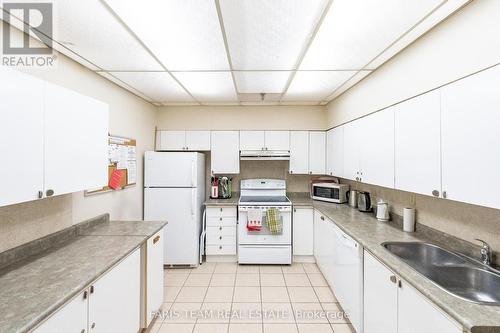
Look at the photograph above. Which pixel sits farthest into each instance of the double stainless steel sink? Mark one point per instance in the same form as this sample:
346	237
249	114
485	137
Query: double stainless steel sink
455	273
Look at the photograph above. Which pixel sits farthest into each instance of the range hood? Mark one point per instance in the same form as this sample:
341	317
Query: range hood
263	155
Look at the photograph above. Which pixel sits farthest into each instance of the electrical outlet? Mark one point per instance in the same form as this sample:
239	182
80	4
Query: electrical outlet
412	199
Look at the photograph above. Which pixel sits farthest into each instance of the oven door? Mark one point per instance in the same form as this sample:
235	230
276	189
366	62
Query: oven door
265	236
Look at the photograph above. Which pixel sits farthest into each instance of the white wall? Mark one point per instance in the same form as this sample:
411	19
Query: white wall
241	117
129	116
465	43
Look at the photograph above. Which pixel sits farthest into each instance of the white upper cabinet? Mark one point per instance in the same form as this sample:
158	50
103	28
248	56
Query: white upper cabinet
198	140
252	140
317	152
377	149
335	152
225	156
470	139
76	141
21	137
183	140
352	140
56	140
277	140
172	140
299	152
417	144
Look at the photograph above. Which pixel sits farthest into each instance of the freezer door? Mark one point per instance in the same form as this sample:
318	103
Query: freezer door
165	169
179	207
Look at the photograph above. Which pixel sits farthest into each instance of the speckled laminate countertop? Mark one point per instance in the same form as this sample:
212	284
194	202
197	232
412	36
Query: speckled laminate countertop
233	201
370	233
33	288
299	199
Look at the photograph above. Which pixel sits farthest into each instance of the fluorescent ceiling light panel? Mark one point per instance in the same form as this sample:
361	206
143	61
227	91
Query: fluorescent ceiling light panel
261	82
159	86
209	86
269	35
184	34
99	37
315	85
356	31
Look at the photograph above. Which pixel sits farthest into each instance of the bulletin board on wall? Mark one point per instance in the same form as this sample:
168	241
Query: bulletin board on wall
122	165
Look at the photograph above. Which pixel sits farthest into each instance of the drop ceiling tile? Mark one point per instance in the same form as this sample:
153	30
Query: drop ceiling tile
96	35
261	82
356	31
315	85
184	34
269	35
209	86
159	86
122	84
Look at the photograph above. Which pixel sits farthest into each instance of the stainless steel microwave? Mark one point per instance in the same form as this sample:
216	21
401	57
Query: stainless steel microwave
330	192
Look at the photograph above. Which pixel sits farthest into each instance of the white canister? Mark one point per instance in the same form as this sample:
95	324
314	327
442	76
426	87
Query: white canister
409	219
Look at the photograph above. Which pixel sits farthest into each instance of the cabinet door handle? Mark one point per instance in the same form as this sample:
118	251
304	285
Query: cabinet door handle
220	237
435	193
445	194
85	294
156	239
91	289
291	171
93	325
220	228
393	279
221	209
49	193
322	217
220	247
40	194
83	330
220	218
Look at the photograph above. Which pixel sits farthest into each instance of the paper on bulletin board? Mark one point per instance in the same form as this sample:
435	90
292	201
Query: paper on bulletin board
132	172
122	157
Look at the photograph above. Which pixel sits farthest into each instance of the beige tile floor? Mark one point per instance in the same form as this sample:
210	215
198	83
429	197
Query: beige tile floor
229	298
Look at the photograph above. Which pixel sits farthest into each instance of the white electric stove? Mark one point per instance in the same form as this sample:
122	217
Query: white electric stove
264	247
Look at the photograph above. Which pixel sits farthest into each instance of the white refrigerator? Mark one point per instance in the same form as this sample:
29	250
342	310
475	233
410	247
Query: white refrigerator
174	191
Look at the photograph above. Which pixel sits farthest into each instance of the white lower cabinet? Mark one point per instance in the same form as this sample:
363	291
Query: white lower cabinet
115	299
324	248
221	230
111	304
303	231
71	318
391	305
153	288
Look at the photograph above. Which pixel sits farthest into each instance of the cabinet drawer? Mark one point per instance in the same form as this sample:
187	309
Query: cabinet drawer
221	231
221	221
221	250
225	211
219	239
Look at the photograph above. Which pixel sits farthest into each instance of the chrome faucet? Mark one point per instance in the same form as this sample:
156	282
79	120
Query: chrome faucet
485	252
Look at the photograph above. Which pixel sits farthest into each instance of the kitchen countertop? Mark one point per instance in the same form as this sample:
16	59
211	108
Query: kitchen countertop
370	233
233	201
35	287
299	199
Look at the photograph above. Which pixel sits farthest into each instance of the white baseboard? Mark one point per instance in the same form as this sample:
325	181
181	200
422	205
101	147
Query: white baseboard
221	258
306	259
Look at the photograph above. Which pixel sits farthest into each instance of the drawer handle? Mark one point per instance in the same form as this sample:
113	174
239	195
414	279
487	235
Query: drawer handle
156	239
221	209
220	228
220	247
220	218
220	237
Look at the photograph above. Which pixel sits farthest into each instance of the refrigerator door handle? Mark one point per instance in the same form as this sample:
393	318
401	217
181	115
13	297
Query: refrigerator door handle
193	174
193	197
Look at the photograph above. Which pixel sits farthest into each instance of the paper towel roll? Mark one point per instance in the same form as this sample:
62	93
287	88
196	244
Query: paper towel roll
409	219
